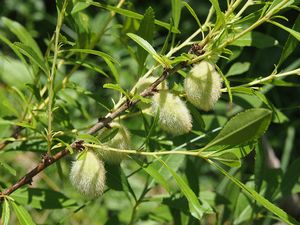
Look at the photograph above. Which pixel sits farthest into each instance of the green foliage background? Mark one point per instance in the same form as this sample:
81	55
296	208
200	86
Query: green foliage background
135	193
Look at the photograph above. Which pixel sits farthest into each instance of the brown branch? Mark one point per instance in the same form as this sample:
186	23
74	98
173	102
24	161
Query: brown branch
49	160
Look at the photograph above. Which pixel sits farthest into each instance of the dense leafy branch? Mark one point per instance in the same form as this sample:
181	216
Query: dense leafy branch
48	160
228	147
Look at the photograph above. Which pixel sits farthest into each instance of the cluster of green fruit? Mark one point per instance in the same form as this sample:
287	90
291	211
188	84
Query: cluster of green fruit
203	89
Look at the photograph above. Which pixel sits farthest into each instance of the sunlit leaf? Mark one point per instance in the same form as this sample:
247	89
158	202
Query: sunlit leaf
134	15
238	68
242	128
23	216
8	168
28	51
145	45
5	218
192	12
23	35
176	11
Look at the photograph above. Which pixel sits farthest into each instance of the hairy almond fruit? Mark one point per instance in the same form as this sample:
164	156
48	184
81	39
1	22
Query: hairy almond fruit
203	86
120	140
174	116
88	175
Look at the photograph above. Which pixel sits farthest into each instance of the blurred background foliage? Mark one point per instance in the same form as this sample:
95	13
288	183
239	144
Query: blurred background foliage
51	199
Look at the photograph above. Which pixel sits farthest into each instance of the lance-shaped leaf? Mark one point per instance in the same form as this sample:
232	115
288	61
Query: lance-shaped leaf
23	216
291	43
145	31
134	15
145	45
31	54
5	213
22	34
243	128
197	209
220	16
292	32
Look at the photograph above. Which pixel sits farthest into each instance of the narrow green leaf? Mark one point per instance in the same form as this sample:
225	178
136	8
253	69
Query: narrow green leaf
259	198
23	35
283	83
243	127
231	157
292	32
166	42
238	68
134	15
155	174
220	16
21	95
6	122
192	12
79	6
117	88
90	66
26	124
92	52
291	43
113	70
197	210
145	31
65	144
28	51
276	2
8	168
23	216
15	50
176	11
145	45
5	212
228	158
88	138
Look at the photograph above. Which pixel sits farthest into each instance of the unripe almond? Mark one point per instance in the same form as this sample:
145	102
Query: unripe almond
174	116
88	175
203	86
144	83
120	141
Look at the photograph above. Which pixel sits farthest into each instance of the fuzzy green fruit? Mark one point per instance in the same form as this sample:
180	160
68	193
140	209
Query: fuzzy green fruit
144	83
88	175
203	86
121	140
174	116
